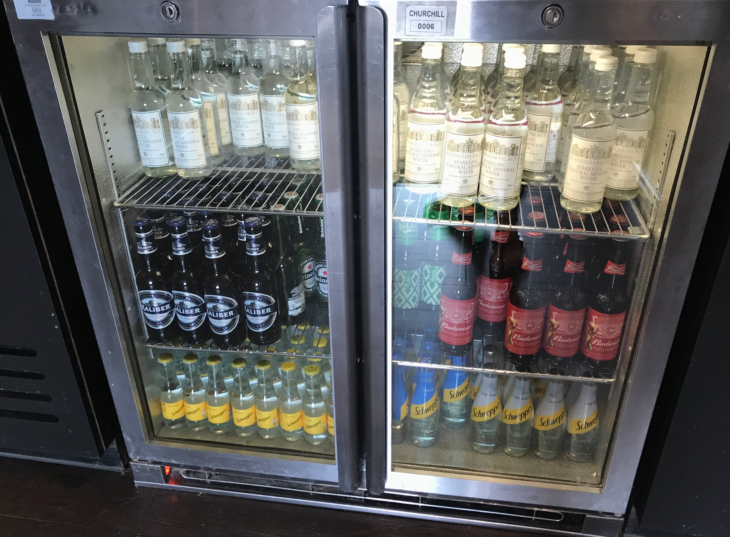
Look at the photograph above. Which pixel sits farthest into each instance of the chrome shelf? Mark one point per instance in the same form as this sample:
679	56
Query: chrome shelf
229	189
409	204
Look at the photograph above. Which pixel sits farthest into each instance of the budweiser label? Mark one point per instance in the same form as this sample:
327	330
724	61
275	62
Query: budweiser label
533	266
500	236
456	320
524	329
562	331
493	299
614	269
461	259
602	335
572	267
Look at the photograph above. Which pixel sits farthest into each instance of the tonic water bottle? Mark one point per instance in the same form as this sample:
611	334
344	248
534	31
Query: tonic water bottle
583	425
486	415
550	420
518	416
400	403
331	418
267	401
171	394
425	411
194	394
315	411
324	385
218	398
242	400
290	404
454	395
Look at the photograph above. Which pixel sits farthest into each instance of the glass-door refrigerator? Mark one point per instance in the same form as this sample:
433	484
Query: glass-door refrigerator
535	184
201	158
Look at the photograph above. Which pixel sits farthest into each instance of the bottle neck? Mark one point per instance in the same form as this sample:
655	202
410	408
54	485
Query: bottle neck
532	261
209	63
241	380
511	93
180	76
549	71
256	251
602	91
272	65
183	262
314	390
143	77
398	63
575	54
215	379
196	61
640	83
469	88
192	375
238	63
299	61
584	72
290	382
171	376
587	393
462	247
428	84
149	261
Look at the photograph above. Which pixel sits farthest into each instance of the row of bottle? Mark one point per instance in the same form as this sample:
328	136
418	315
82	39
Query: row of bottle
479	141
198	276
188	115
293	400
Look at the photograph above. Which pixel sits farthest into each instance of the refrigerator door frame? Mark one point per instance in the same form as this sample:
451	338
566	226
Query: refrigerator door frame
653	22
43	66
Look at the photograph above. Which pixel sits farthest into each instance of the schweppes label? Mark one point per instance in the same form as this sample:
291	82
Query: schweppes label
219	414
512	416
292	422
538	388
488	412
583	425
474	390
173	411
451	395
315	425
267	419
425	410
244	418
553	421
331	425
197	412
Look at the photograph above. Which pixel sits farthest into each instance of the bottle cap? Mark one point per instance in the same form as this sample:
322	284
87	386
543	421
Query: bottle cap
320	343
431	52
137	45
323	329
578	237
263	365
303	326
587	49
603	48
213	360
315	360
156	40
514	60
551	48
190	359
508	46
633	49
599	53
178	224
278	207
176	46
606	63
471	57
288	366
192	41
645	55
534	235
297	339
238	44
211	225
311	371
297	43
165	358
291	196
619	232
536	216
238	363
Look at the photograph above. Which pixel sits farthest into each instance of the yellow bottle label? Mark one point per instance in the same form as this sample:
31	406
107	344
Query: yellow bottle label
581	426
457	394
423	411
196	412
316	425
267	419
474	391
219	414
512	417
244	418
487	412
331	425
538	388
292	422
547	423
173	411
155	407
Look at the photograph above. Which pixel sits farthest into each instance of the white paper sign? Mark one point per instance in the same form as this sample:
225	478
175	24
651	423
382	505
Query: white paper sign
426	20
34	9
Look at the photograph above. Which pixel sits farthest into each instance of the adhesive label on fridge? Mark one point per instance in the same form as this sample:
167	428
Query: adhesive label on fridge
34	9
426	20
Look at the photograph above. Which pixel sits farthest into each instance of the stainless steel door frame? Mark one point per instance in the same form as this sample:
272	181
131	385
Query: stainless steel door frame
682	22
44	71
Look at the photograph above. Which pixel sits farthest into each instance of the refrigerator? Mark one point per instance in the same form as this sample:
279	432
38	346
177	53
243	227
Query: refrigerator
453	338
120	182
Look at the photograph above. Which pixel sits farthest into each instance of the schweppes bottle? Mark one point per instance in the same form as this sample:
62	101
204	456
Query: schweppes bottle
425	409
582	436
518	416
550	420
400	402
486	414
455	395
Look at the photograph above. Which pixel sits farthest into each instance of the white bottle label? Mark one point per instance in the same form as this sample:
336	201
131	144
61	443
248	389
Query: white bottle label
462	163
424	147
542	138
273	113
587	170
222	104
501	166
208	103
302	123
151	138
626	158
245	120
187	139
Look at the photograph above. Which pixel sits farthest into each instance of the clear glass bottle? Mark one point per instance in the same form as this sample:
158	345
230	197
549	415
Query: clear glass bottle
544	107
242	400
267	400
209	93
321	365
456	78
400	402
493	84
273	110
426	126
592	138
243	104
403	95
581	438
568	79
220	83
147	103
518	417
290	404
623	75
550	420
160	63
331	418
634	120
506	139
188	128
575	94
465	124
302	110
486	415
171	393
315	411
455	400
218	398
425	410
194	394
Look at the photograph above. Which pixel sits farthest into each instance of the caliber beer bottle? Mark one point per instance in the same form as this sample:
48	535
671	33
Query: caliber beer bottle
550	420
194	395
218	398
315	411
400	402
486	415
290	404
424	410
583	424
242	400
267	401
171	394
518	417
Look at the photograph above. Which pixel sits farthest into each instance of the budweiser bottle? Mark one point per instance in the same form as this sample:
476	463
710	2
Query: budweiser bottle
494	286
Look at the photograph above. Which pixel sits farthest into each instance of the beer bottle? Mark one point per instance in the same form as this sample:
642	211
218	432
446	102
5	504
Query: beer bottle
162	236
289	277
195	234
155	290
305	253
229	233
495	282
187	286
259	289
221	291
322	276
406	276
240	261
526	307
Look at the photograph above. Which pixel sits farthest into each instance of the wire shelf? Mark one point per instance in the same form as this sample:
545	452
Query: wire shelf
539	210
252	184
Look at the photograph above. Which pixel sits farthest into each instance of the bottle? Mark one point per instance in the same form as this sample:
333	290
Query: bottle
224	56
160	63
568	83
607	307
162	239
149	115
518	417
331	418
424	409
218	398
569	78
305	253
194	226
302	110
273	111
592	139
325	382
406	275
221	291
451	86
171	394
194	395
433	269
290	404
395	128
242	400
544	107
455	403
188	126
243	104
486	414
493	85
289	279
322	276
495	283
550	420
400	402
526	307
267	401
623	75
634	119
403	95
531	75
154	289
506	139
581	438
315	411
465	124
219	82
426	126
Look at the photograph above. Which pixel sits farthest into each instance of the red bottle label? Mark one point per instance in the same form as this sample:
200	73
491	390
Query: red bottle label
533	266
456	320
562	331
461	259
500	236
493	299
602	334
613	268
524	329
574	268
